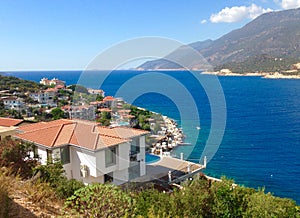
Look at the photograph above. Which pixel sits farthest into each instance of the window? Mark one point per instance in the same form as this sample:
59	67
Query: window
65	155
49	156
134	149
110	156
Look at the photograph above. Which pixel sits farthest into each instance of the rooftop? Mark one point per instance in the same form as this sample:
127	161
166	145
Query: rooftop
80	133
109	98
7	122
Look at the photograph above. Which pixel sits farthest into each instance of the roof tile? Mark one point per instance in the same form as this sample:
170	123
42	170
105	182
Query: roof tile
7	122
76	132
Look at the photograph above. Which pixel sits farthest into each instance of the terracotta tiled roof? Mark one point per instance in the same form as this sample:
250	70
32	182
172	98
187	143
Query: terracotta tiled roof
109	98
7	122
42	125
46	136
79	133
105	110
121	132
50	90
59	87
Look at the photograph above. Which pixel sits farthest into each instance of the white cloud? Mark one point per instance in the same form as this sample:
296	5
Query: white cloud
238	13
203	21
289	4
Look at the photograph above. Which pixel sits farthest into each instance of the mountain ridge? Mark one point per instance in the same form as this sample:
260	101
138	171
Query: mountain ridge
275	34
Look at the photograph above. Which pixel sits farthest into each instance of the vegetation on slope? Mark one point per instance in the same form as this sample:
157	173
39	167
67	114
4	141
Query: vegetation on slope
15	84
259	63
199	198
141	118
43	195
28	189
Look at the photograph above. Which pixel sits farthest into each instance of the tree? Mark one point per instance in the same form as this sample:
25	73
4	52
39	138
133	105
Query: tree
99	97
58	113
15	155
79	88
105	118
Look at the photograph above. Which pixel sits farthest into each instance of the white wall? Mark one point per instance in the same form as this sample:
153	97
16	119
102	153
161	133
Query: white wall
142	156
123	156
120	169
120	176
42	154
96	163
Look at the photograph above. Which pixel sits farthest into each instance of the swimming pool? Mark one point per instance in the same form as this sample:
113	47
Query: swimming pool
151	158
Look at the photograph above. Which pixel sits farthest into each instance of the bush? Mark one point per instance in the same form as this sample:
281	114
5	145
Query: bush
266	205
153	203
52	173
101	200
202	198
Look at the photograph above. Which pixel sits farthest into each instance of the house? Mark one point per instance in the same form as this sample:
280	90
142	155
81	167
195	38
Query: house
45	97
13	103
97	104
96	92
8	126
110	101
54	82
83	112
89	153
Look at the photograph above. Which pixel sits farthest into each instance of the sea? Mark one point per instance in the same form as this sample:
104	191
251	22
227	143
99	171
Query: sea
261	143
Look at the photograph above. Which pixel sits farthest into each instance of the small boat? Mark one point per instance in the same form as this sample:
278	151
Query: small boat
198	127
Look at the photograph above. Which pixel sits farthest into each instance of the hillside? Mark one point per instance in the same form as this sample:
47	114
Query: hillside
15	84
177	56
274	34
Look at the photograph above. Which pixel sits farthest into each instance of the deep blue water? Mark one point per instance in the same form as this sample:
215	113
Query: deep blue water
261	145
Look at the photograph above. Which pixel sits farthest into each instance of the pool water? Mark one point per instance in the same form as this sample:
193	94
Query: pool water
151	158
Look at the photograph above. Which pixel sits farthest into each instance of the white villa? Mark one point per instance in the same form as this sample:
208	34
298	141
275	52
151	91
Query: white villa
54	81
13	103
45	96
89	152
83	112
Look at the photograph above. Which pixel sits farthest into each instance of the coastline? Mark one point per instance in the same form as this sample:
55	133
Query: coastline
168	138
269	75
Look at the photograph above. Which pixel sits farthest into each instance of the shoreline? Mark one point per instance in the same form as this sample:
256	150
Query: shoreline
168	138
270	75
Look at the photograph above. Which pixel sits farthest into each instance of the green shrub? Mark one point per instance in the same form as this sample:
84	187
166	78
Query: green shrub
265	205
153	202
101	200
52	173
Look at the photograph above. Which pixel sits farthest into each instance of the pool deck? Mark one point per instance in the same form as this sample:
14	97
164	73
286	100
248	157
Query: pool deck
180	169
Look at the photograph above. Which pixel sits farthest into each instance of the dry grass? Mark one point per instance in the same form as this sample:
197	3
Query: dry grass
27	199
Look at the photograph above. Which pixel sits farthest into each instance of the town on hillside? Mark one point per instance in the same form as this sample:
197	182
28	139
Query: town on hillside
97	138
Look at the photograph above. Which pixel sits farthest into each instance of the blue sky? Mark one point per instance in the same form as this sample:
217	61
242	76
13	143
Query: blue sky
61	34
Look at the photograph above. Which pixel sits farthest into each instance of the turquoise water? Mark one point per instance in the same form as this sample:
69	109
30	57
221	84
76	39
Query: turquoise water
150	158
261	145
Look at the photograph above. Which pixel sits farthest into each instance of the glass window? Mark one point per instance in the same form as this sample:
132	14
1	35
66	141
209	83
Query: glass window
65	155
135	146
49	156
110	156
